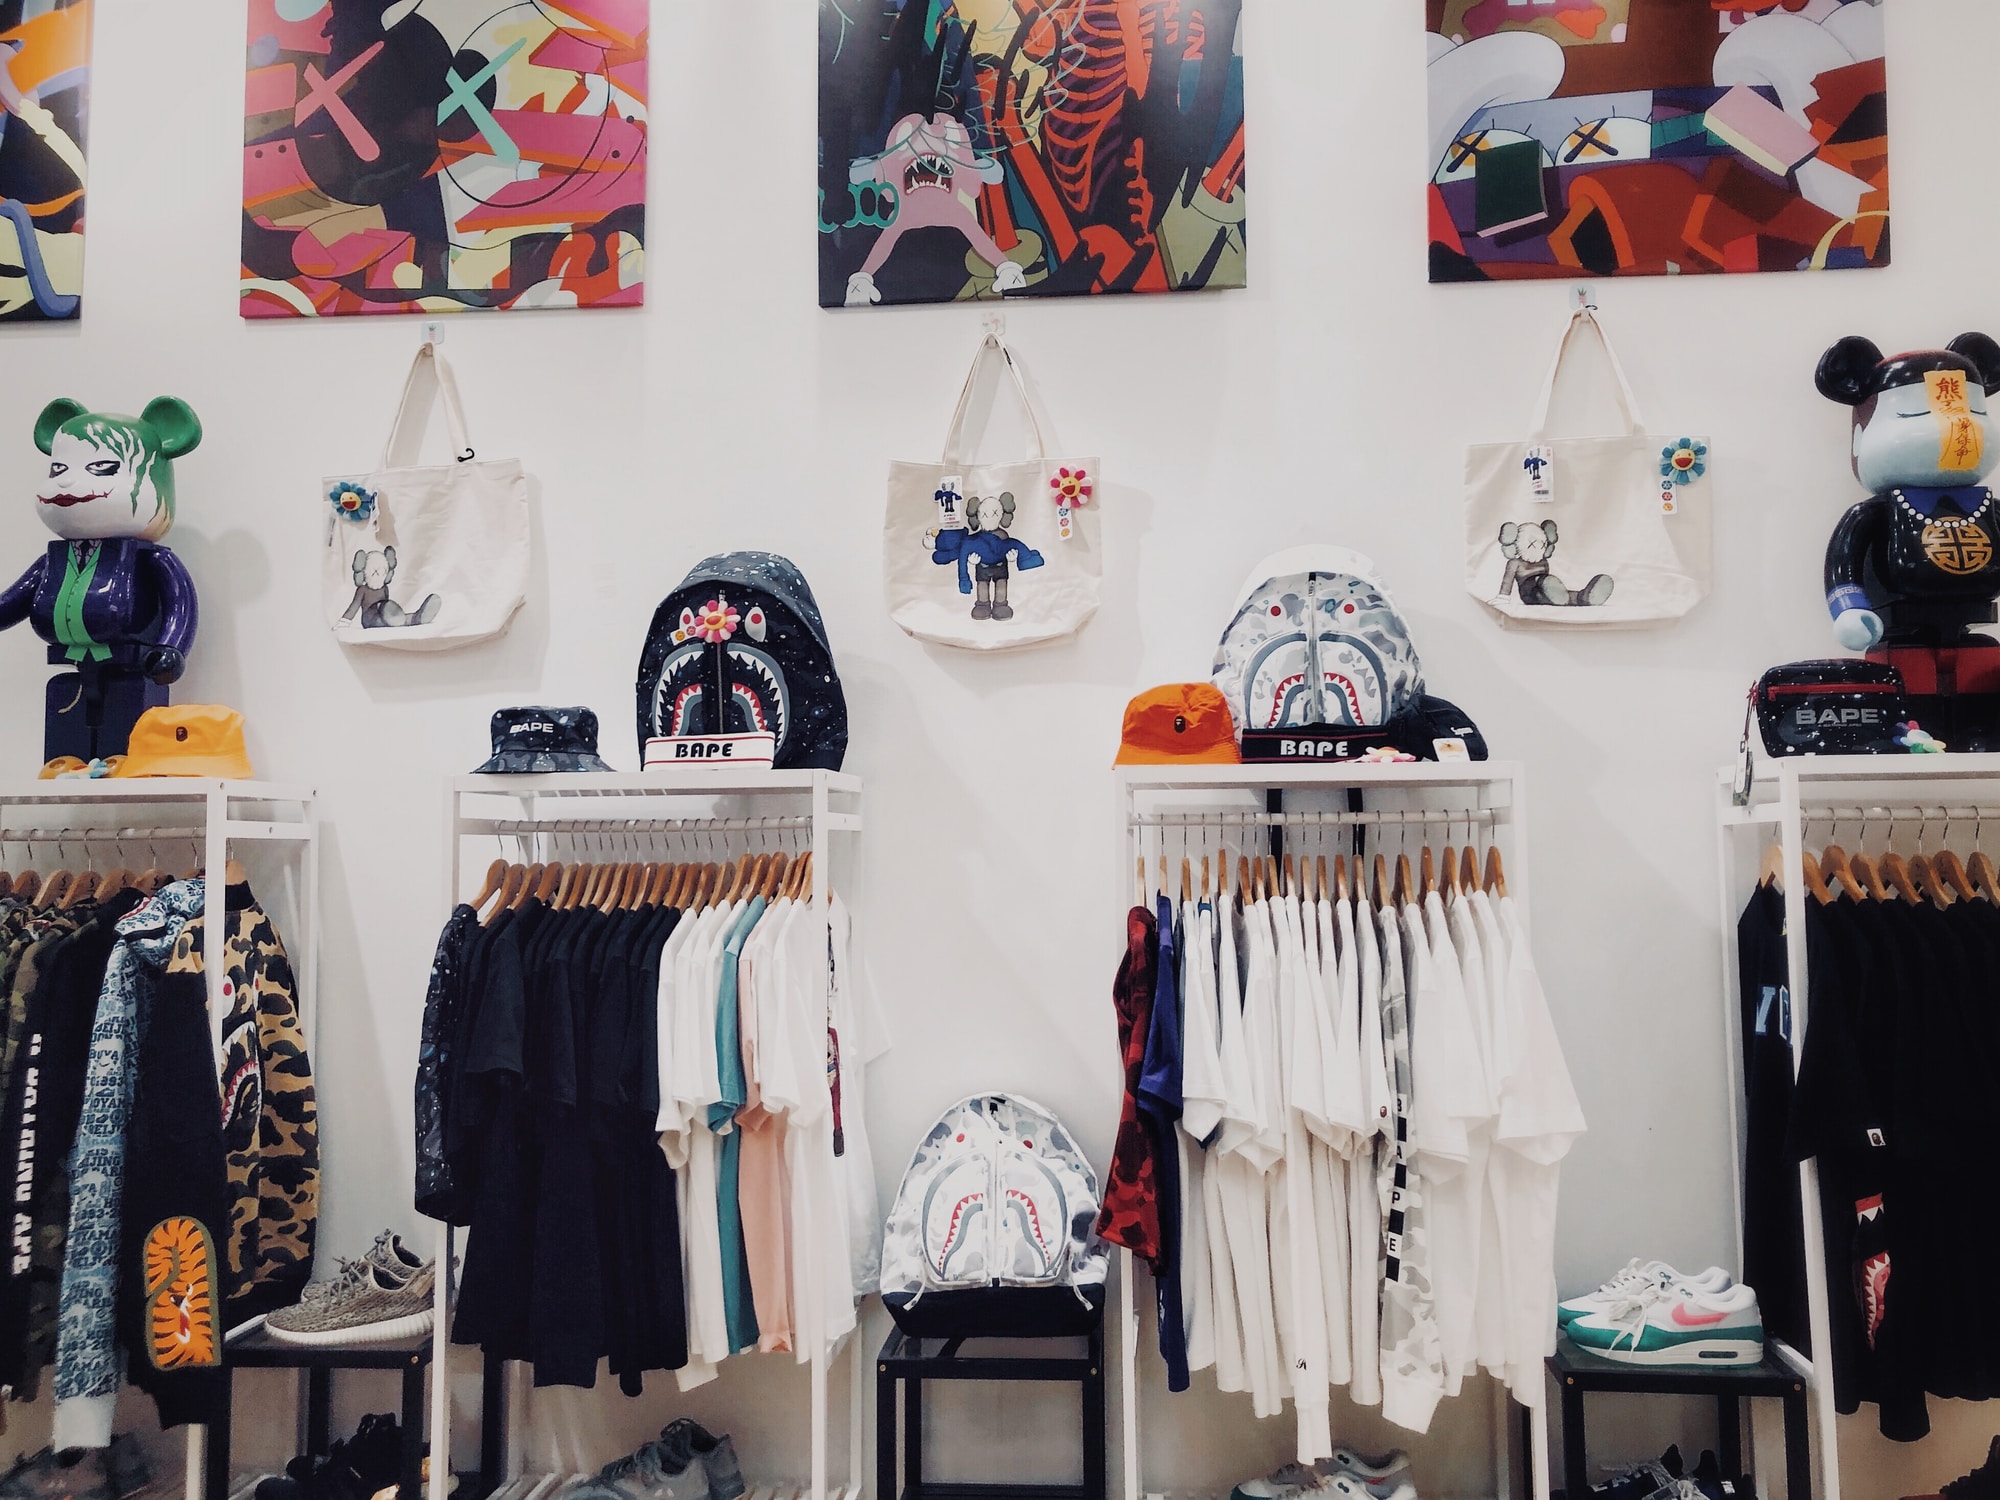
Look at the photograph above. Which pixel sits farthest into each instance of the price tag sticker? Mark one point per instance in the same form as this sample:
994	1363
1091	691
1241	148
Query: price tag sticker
951	503
1539	467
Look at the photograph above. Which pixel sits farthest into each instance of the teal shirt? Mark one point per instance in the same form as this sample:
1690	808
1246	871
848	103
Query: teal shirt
738	1309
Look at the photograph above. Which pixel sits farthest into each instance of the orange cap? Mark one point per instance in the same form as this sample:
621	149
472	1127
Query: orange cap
187	739
1182	723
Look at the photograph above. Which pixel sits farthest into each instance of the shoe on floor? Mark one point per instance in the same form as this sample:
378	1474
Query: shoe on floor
1303	1482
1983	1483
717	1456
367	1304
1384	1478
1635	1276
668	1468
1677	1325
81	1474
352	1469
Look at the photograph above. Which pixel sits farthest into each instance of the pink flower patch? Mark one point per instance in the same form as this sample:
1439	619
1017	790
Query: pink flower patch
1071	486
716	622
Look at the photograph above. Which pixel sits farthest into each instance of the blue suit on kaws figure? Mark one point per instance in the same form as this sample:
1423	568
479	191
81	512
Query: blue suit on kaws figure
113	604
1912	569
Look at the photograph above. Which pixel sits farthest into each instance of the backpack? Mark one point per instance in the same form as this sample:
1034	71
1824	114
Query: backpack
747	621
991	1234
1320	615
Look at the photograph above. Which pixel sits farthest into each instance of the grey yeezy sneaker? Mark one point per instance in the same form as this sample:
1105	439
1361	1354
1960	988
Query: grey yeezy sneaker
685	1440
374	1306
652	1473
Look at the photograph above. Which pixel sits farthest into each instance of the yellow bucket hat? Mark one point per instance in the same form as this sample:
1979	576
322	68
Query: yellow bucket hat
187	739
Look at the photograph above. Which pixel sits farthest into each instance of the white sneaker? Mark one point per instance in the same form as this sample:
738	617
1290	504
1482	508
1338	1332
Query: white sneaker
1676	1325
1384	1478
1636	1275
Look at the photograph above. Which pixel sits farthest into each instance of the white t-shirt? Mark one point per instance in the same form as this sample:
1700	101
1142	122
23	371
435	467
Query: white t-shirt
1364	1203
1306	1343
1237	1164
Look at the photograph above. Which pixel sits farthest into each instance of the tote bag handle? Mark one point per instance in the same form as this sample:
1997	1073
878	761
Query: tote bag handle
1626	403
955	438
454	414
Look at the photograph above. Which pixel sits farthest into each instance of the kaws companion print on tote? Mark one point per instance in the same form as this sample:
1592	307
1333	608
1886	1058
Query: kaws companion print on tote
993	556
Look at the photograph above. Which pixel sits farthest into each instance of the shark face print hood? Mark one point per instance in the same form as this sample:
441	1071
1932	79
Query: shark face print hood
750	616
1316	640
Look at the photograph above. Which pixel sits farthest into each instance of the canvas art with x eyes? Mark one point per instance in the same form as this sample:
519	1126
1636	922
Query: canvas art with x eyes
1655	137
429	156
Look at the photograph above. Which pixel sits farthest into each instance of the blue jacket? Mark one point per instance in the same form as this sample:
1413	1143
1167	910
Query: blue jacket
988	547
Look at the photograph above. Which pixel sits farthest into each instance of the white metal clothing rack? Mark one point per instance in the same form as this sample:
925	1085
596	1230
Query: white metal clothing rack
206	816
1159	804
1893	797
539	817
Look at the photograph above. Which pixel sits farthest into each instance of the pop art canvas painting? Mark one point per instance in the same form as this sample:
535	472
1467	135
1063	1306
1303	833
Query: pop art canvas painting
1655	137
430	156
1029	148
44	107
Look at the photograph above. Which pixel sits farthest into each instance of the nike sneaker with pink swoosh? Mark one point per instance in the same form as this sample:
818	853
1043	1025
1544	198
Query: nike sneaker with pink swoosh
1678	1325
1636	1276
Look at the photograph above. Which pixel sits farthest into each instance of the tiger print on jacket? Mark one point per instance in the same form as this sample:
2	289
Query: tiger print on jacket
270	1115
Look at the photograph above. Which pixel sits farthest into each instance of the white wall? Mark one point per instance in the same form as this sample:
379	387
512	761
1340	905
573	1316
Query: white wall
1330	402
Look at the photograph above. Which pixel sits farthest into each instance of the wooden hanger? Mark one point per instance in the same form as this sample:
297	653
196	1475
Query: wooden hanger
1839	875
1468	873
1985	878
806	876
1340	877
496	876
1291	877
1816	882
81	888
1319	879
1204	878
1869	878
1243	878
1271	877
1187	879
543	886
53	889
1140	899
150	883
1496	874
1450	871
1405	882
27	883
1924	875
118	880
1771	866
1896	872
1381	883
1952	870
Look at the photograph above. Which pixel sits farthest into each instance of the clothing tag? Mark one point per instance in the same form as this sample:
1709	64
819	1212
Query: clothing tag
1062	520
1540	467
1451	750
951	503
1669	505
1961	444
1875	1136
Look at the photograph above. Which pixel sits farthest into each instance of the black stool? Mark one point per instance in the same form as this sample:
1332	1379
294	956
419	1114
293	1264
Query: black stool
1577	1372
904	1359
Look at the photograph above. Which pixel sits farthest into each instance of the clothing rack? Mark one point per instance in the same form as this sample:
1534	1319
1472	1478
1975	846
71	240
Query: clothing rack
1784	798
1489	795
487	814
231	812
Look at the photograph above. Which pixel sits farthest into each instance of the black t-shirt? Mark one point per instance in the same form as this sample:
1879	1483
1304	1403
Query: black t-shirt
1773	1243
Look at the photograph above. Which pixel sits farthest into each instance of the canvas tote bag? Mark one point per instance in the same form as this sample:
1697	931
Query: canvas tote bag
993	556
1581	533
424	558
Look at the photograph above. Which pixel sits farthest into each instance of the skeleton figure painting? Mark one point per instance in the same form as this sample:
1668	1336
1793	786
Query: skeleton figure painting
1010	148
443	156
1655	137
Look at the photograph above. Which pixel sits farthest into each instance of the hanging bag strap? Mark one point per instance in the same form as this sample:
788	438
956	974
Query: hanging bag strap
1626	402
454	414
955	438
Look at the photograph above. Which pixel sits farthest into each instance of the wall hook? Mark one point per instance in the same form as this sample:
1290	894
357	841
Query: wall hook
1583	298
433	332
995	324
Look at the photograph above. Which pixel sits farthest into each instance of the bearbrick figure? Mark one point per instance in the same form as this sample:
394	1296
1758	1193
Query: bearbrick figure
373	572
1527	546
1915	564
115	606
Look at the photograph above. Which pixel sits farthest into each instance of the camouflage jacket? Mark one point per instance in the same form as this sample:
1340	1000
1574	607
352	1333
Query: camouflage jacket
270	1115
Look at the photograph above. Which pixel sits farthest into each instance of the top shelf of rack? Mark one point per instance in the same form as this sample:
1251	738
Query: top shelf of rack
1362	775
156	789
1874	768
740	781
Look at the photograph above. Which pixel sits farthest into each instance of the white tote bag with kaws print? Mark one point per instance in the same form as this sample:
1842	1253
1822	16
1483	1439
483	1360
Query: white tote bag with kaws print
425	557
1581	533
993	556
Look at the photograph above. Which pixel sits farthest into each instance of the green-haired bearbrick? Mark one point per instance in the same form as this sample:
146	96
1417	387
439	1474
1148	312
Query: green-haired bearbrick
114	605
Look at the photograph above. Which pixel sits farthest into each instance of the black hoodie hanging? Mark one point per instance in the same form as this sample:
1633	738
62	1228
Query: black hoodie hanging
739	648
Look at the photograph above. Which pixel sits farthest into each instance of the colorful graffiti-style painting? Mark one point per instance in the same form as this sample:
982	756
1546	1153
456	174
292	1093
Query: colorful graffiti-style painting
44	106
443	155
1656	137
1028	148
